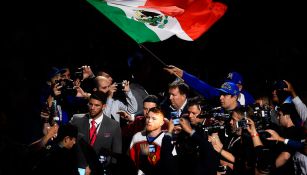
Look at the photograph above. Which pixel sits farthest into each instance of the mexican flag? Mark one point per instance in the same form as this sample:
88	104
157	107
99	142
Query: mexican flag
158	20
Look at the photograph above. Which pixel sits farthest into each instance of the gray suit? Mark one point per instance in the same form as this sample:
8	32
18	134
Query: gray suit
108	137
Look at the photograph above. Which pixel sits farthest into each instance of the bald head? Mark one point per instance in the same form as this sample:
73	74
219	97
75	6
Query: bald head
102	83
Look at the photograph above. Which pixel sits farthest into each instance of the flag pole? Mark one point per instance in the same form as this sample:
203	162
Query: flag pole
157	58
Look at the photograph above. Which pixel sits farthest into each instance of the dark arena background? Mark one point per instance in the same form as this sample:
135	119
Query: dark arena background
263	40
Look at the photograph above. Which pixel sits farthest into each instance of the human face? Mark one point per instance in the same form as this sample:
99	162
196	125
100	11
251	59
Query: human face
66	74
235	117
69	142
147	106
260	102
193	112
95	108
104	84
55	78
282	118
177	99
228	102
154	121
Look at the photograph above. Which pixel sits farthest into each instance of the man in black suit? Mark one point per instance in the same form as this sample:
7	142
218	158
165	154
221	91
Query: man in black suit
176	105
104	137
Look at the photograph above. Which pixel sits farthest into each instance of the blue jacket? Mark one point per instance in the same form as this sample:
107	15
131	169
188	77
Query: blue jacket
208	91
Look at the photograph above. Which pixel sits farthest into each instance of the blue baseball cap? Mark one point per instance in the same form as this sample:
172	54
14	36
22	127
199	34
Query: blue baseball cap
235	77
229	88
54	71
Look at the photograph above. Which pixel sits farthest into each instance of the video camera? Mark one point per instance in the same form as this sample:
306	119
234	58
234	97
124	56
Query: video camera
212	128
261	117
216	113
216	119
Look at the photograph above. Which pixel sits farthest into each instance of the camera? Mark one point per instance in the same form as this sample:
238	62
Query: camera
261	116
264	134
216	119
175	117
279	85
221	115
102	159
262	112
212	128
120	86
242	123
77	74
152	148
67	86
216	113
223	169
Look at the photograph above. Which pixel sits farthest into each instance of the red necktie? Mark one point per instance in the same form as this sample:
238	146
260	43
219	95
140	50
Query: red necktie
93	133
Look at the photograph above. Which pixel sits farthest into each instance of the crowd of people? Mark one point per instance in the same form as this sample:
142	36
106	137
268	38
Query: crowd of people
193	128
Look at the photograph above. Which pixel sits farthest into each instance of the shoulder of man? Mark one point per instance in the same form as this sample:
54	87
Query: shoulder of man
110	122
76	118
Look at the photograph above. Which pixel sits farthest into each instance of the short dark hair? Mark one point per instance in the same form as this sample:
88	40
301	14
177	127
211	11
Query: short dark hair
151	99
99	95
197	100
289	109
67	130
241	110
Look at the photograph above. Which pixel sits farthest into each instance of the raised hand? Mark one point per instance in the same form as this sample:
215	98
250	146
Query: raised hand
174	71
87	72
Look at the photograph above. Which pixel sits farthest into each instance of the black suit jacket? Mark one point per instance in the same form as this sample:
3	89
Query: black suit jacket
167	109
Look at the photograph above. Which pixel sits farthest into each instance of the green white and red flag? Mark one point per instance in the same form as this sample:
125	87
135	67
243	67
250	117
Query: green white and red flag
158	20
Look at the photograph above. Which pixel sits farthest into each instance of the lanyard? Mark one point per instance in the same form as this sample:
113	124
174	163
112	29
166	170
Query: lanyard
154	137
232	142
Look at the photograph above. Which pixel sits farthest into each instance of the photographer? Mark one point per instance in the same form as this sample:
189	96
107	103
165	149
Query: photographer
236	152
279	95
264	162
50	103
195	154
76	84
287	117
61	97
299	105
287	160
114	105
302	111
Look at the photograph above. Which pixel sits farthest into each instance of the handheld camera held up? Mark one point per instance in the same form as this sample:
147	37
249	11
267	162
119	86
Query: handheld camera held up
175	116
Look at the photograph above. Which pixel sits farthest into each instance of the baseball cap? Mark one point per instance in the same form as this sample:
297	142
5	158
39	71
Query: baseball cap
229	88
53	72
234	77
